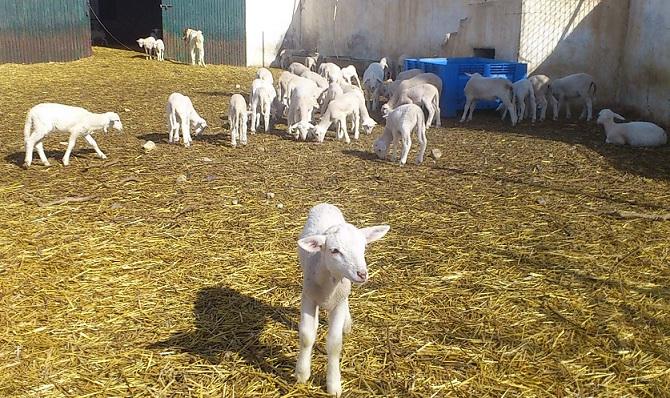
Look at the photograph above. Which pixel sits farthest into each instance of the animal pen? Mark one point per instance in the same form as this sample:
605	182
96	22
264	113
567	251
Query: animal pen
527	261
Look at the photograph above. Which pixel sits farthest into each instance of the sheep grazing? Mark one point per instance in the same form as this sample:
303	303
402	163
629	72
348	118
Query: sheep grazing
332	256
265	74
425	95
300	111
263	96
349	74
372	79
522	91
237	118
579	85
297	69
160	50
195	41
339	109
637	134
399	125
47	118
181	114
487	88
284	79
309	87
148	43
540	86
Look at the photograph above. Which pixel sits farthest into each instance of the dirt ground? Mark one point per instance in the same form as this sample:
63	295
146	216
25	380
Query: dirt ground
508	271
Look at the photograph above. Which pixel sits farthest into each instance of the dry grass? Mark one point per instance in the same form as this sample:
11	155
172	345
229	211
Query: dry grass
506	272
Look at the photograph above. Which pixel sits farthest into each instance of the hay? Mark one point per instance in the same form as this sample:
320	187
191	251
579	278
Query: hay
504	273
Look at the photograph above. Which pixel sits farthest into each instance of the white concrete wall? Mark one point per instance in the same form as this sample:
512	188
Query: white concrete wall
645	78
562	37
268	24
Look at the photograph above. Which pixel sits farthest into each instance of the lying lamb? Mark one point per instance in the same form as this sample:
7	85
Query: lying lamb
399	125
47	118
332	255
637	134
195	41
148	43
425	95
181	113
237	118
487	88
579	85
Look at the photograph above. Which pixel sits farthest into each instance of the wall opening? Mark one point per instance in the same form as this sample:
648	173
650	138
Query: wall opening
125	20
484	52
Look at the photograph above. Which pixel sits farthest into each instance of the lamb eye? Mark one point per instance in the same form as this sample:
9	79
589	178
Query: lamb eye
334	251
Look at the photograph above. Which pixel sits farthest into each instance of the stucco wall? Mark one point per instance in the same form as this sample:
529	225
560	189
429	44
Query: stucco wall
562	37
270	21
645	77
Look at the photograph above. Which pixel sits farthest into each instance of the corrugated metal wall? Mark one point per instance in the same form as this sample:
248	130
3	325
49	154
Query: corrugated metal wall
44	30
221	21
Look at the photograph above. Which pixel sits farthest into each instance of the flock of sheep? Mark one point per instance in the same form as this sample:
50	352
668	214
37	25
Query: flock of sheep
332	252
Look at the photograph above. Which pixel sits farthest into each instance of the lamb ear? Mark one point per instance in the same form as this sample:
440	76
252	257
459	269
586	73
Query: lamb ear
375	233
312	243
617	116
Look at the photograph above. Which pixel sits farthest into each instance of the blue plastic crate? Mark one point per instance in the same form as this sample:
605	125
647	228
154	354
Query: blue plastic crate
453	71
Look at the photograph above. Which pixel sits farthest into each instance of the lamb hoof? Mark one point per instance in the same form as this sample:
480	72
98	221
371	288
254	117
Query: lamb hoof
301	377
25	166
103	156
46	164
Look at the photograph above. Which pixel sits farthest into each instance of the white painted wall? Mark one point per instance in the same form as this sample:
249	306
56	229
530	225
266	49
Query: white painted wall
563	37
645	78
268	23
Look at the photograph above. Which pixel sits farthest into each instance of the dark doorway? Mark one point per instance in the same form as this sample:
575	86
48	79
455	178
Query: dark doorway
484	52
125	21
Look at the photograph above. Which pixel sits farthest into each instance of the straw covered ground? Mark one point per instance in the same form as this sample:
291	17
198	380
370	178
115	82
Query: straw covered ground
529	261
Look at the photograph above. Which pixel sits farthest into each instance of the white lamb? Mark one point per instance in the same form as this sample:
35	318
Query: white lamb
579	85
310	63
389	87
284	79
332	256
237	118
148	43
195	41
334	89
399	125
297	69
181	113
522	91
316	78
540	87
637	134
160	50
425	95
372	79
47	118
263	95
265	74
342	107
349	74
300	111
308	85
487	88
331	72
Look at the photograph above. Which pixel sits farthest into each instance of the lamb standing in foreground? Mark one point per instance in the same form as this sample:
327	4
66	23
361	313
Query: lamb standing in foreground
637	134
148	44
399	125
181	113
195	41
46	118
237	118
579	85
332	255
487	88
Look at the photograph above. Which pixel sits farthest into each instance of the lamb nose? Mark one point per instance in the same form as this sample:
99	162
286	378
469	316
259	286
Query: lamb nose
362	274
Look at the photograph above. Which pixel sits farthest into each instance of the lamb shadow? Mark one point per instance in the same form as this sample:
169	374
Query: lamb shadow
230	323
155	137
16	158
218	93
360	154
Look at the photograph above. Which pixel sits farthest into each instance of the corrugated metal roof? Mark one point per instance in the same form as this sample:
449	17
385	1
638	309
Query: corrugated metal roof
44	30
221	21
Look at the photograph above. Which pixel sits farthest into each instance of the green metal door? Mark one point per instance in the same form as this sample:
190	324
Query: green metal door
221	21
